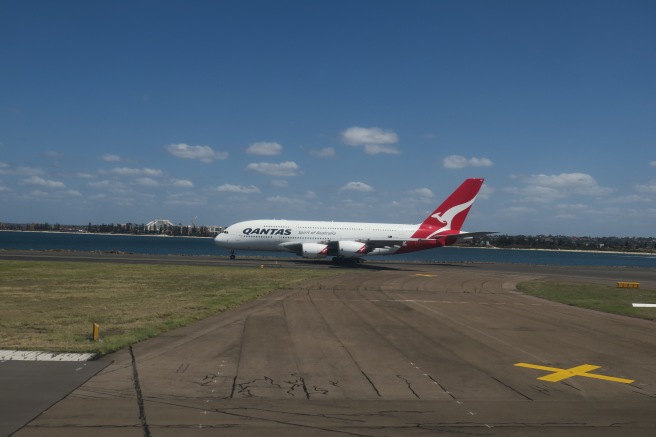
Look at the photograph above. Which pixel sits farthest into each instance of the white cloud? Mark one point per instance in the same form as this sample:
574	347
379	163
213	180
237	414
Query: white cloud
375	149
565	183
109	185
519	210
634	198
127	171
185	199
646	188
486	192
358	136
202	153
29	171
457	161
357	186
182	183
110	158
147	182
282	200
547	188
3	187
24	171
40	182
39	193
288	168
537	193
374	139
264	149
229	188
101	184
653	163
422	192
326	152
280	183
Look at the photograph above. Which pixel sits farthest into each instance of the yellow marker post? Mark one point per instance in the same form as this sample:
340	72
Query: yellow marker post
95	336
583	370
628	284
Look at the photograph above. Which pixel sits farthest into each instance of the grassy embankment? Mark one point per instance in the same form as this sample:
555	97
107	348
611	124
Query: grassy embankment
606	298
52	306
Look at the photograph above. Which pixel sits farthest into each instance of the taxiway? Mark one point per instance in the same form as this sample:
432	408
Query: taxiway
393	349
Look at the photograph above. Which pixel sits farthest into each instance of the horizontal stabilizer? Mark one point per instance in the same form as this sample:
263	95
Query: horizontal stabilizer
464	235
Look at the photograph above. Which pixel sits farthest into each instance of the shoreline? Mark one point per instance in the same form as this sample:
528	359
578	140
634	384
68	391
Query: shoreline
491	248
102	233
614	252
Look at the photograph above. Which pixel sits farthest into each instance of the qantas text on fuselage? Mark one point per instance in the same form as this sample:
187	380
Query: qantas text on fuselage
353	240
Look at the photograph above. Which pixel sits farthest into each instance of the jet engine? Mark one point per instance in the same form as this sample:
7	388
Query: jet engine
351	249
314	250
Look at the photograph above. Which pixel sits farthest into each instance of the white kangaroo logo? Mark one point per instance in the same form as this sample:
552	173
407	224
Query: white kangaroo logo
447	216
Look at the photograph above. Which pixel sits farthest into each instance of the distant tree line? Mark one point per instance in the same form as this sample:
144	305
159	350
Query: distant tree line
562	242
178	230
555	242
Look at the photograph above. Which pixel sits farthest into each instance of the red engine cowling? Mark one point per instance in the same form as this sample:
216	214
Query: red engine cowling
351	249
314	250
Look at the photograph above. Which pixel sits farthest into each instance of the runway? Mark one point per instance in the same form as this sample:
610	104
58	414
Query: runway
398	349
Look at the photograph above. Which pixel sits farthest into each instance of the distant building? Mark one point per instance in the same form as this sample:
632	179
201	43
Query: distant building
157	225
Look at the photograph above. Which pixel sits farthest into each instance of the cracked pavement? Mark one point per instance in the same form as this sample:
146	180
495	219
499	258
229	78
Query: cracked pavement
376	353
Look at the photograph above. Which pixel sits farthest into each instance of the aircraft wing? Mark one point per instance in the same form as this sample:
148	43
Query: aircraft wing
383	244
320	249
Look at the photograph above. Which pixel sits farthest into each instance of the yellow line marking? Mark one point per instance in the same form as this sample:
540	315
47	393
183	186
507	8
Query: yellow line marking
583	370
424	274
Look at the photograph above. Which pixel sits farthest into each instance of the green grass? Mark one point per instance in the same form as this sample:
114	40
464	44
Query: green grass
607	298
52	305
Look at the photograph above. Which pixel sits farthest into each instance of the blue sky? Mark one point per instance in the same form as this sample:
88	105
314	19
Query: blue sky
128	111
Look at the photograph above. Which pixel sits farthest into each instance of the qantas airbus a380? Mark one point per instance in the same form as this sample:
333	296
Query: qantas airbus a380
352	240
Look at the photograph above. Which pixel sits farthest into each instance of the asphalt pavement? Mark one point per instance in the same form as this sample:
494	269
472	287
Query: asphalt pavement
388	350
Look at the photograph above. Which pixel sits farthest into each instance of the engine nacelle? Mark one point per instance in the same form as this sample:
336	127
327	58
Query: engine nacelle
351	249
314	250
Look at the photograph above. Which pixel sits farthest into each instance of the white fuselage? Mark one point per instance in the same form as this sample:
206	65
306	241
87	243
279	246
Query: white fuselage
279	235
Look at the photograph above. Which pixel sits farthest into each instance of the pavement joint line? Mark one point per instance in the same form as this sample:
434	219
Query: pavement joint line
14	355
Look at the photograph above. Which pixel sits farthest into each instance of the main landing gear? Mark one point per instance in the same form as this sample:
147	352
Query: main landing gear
346	261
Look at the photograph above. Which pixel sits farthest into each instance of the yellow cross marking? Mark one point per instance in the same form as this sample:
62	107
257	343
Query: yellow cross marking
560	374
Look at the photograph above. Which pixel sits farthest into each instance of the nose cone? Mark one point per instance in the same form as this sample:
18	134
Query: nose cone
220	239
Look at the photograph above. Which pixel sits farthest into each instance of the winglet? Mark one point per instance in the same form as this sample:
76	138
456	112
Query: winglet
450	215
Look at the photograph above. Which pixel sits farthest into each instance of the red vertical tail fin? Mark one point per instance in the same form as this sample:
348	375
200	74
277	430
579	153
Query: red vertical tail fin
450	215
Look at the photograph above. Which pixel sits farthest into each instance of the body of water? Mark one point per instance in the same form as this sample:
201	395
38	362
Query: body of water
157	245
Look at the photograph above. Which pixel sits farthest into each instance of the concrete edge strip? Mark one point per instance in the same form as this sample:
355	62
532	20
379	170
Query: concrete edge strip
12	355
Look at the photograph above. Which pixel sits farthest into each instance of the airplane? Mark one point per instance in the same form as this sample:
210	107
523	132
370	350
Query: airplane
350	241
